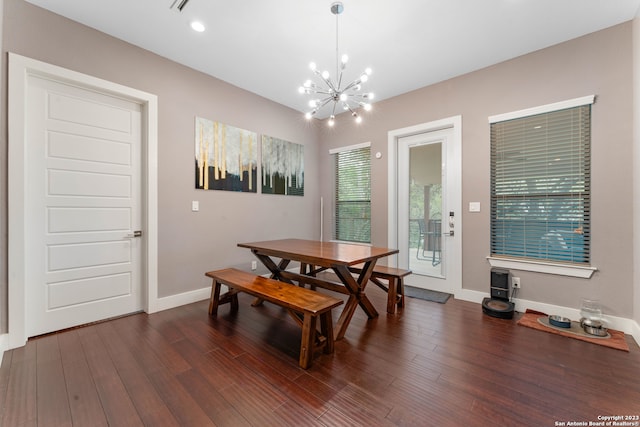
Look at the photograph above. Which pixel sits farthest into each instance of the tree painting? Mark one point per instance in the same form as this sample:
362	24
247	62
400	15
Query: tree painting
282	167
226	157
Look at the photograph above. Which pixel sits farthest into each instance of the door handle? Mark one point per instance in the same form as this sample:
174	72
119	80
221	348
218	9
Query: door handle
137	233
450	233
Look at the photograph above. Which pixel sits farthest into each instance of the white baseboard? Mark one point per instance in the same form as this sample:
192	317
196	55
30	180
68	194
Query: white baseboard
185	298
628	326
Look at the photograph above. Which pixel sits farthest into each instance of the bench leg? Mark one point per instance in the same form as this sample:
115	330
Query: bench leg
400	292
215	298
392	295
326	328
308	340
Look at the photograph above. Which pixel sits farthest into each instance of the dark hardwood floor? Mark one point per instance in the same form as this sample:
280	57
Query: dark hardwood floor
429	365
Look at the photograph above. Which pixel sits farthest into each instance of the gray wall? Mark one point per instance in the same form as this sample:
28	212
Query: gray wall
189	243
600	64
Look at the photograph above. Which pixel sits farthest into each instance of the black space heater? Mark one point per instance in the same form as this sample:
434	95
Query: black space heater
498	305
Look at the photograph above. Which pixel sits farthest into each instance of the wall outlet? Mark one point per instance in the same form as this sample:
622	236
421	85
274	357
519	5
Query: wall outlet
254	265
515	282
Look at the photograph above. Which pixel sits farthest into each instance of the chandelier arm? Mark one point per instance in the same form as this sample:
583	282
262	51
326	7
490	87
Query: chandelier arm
322	92
354	83
324	102
349	108
333	112
330	84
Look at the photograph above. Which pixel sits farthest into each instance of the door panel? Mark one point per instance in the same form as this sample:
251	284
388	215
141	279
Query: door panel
83	199
427	205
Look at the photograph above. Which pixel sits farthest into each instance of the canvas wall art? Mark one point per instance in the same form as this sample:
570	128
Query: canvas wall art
282	167
226	157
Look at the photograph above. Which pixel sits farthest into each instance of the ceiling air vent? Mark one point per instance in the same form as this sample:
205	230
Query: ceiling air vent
178	5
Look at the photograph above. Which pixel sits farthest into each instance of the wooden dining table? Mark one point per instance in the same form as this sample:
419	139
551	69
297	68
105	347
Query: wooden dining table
316	256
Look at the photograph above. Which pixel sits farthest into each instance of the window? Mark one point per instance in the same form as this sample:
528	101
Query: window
540	183
352	213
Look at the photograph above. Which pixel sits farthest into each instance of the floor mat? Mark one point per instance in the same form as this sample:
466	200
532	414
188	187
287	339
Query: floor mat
426	294
537	320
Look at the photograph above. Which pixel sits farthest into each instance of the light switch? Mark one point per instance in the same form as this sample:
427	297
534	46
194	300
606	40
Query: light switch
474	206
195	206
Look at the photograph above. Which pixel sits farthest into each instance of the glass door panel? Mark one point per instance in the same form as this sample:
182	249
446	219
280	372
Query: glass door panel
425	209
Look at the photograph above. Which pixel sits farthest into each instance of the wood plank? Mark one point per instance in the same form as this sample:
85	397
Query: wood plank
183	407
221	411
21	399
116	402
84	402
149	405
53	402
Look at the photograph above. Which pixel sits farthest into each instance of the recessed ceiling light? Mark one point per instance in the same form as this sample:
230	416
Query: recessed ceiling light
197	26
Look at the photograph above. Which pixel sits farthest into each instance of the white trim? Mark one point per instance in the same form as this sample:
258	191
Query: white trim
543	267
20	68
349	147
454	122
173	301
556	106
628	326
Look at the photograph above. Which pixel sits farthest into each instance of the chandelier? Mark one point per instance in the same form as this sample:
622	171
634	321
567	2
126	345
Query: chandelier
331	92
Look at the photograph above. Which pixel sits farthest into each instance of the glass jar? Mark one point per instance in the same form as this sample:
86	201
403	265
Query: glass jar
591	309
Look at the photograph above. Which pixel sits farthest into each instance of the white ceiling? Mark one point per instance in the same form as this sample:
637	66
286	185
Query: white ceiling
265	46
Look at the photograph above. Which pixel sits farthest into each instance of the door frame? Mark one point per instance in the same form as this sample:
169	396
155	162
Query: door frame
20	68
455	123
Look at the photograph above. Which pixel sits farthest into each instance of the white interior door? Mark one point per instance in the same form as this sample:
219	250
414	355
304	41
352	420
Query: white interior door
425	203
82	199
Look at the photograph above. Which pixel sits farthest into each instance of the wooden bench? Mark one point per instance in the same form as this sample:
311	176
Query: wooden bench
395	283
305	306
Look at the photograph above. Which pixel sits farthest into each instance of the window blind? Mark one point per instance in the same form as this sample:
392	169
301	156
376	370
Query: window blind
353	195
540	186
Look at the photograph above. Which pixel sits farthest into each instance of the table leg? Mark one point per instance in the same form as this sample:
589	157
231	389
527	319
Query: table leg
356	296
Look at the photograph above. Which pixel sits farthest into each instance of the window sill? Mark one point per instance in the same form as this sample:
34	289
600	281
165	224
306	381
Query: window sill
543	267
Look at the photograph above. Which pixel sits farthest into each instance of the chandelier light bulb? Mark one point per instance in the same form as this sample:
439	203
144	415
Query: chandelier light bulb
312	65
345	58
325	75
359	119
308	115
197	26
368	71
332	120
364	78
367	107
